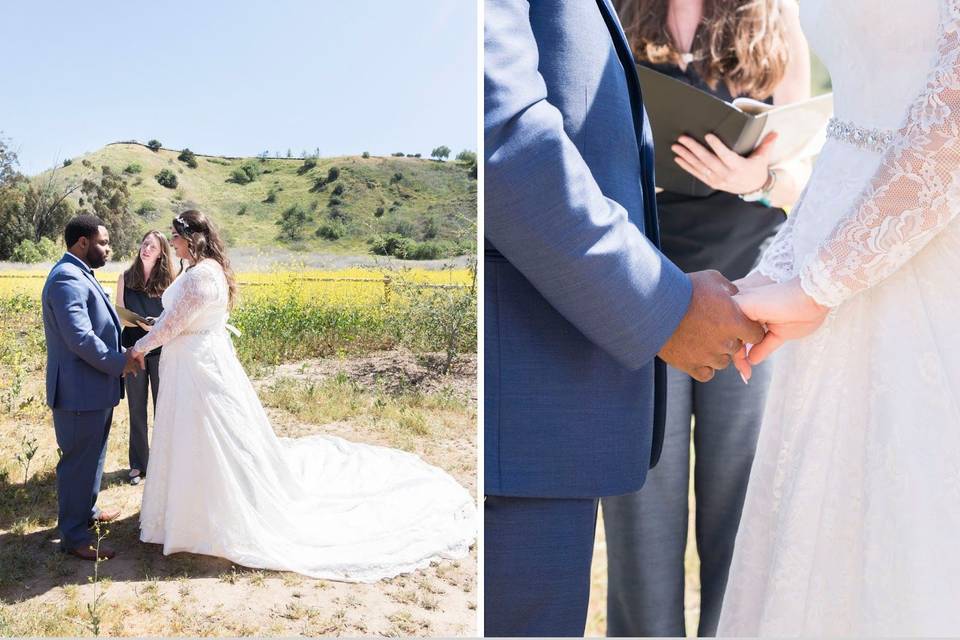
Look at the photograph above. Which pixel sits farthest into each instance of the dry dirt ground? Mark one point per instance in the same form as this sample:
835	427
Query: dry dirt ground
388	398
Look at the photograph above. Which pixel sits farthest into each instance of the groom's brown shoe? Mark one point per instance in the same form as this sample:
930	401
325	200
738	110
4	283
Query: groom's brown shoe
104	517
88	553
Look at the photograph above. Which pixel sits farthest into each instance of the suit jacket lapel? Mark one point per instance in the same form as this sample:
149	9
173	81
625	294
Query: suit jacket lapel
625	54
103	294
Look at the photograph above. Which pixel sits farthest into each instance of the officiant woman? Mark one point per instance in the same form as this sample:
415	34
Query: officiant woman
139	289
729	48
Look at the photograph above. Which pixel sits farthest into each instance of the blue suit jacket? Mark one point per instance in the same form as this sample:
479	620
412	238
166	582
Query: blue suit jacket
578	298
84	359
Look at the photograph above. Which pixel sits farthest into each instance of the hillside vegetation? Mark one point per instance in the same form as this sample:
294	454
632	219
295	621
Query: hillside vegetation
407	207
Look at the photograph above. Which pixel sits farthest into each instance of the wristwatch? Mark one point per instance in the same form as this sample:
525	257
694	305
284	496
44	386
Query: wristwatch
763	193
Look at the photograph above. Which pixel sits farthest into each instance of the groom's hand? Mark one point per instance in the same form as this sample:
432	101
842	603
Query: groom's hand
712	331
135	363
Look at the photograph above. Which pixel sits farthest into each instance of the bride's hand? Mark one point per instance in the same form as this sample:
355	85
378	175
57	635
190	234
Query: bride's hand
753	280
788	314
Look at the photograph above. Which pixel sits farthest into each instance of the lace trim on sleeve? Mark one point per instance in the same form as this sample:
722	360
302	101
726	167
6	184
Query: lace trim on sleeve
914	194
777	261
199	288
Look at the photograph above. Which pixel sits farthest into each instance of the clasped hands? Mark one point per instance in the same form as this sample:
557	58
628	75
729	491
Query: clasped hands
135	362
724	317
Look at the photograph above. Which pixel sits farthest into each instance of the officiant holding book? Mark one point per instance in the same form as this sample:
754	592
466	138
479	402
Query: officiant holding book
139	289
730	49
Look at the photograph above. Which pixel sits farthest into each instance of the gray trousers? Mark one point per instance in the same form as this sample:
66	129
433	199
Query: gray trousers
137	403
646	532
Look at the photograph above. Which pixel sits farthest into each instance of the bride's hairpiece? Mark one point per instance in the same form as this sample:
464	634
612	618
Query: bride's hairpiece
182	222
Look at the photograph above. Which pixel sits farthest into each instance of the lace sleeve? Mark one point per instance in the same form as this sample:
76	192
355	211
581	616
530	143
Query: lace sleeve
199	288
777	261
913	195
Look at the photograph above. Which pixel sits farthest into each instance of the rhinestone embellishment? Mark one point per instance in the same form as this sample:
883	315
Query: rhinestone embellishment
871	139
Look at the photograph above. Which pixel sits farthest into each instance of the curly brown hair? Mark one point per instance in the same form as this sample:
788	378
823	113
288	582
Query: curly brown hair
203	241
161	276
740	42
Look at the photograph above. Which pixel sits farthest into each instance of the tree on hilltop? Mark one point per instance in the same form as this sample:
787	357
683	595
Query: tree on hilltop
154	145
440	153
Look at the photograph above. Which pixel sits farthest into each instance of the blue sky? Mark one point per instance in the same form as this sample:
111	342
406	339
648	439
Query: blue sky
238	77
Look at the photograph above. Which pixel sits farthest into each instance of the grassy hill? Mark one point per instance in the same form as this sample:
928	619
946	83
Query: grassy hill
422	200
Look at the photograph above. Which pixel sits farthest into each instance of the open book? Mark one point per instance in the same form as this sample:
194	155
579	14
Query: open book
675	108
131	318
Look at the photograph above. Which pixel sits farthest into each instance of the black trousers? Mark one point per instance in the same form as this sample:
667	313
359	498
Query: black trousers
137	389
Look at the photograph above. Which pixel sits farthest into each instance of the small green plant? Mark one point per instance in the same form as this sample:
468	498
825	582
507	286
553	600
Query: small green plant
154	145
398	154
28	449
67	162
94	617
132	168
397	177
167	178
337	190
242	211
365	154
332	174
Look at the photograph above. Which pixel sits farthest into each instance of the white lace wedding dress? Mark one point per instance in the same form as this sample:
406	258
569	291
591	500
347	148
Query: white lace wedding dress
852	518
221	483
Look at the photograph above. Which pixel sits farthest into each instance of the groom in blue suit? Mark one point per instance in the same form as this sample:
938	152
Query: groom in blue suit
579	302
85	369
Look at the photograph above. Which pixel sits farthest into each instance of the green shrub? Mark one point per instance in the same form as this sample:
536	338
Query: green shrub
26	252
86	163
333	174
390	244
378	213
398	154
365	154
242	211
338	190
404	228
397	177
132	168
271	197
167	179
154	145
147	209
334	201
292	222
430	228
331	231
49	249
466	156
188	157
307	165
245	173
67	162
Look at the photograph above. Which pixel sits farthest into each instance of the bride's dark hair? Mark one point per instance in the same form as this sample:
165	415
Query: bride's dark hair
203	241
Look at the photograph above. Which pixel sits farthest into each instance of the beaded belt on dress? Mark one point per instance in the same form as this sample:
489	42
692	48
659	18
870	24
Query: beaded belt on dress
862	137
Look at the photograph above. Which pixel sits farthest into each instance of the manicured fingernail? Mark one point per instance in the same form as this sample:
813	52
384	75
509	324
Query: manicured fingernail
745	379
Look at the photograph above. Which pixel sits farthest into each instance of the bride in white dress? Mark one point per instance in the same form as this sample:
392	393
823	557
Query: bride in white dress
221	483
851	520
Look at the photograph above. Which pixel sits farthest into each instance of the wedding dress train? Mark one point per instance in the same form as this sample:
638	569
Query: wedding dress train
221	483
851	520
